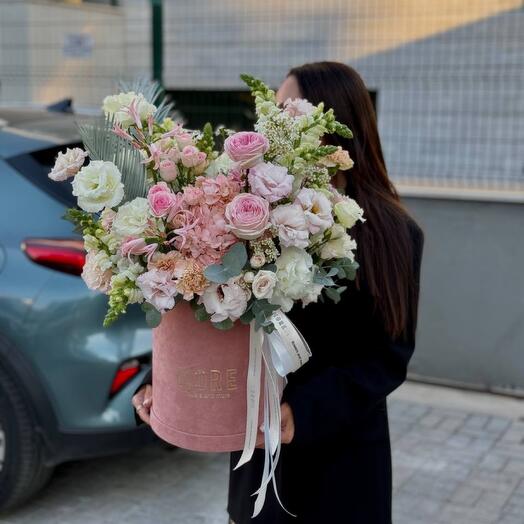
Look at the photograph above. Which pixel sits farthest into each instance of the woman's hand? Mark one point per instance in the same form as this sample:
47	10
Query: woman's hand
287	425
143	401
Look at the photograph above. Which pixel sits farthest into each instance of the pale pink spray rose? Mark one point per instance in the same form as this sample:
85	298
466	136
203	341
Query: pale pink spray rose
168	170
192	156
291	224
160	199
247	148
247	216
158	288
67	164
270	181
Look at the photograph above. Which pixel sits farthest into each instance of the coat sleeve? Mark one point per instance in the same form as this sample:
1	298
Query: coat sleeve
148	379
337	399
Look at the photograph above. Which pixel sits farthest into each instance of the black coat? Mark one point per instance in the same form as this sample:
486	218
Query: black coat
337	469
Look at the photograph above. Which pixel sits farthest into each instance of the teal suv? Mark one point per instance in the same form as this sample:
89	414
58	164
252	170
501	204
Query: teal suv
65	381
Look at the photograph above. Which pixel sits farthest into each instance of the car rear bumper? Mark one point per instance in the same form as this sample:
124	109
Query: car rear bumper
90	444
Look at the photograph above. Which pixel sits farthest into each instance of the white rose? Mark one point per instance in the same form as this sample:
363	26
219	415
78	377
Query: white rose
132	218
263	284
291	224
117	106
97	271
223	301
294	277
98	185
341	247
317	209
67	164
348	212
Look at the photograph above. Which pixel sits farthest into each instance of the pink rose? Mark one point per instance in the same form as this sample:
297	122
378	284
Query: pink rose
160	199
247	148
247	216
270	181
192	156
168	170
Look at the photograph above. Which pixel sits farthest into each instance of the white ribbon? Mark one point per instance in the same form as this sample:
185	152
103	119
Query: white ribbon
283	351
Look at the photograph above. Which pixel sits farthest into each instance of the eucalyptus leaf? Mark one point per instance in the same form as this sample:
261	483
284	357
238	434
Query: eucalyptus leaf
224	325
232	263
153	317
202	315
333	294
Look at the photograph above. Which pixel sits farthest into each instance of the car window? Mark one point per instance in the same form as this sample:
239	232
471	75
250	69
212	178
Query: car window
36	165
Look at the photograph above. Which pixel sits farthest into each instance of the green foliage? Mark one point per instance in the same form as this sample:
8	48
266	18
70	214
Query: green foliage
153	316
232	263
102	144
83	221
262	311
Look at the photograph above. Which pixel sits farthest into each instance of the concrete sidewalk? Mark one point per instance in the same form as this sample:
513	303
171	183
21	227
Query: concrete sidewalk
458	459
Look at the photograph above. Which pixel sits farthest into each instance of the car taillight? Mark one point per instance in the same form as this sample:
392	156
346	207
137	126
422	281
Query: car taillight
124	374
66	255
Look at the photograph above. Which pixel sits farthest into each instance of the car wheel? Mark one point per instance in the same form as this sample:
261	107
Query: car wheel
22	471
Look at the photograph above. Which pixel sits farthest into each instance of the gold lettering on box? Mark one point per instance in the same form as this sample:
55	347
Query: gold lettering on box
207	383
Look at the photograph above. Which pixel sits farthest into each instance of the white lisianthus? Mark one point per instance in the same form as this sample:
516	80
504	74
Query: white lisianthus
317	209
223	301
263	284
348	212
294	277
340	247
117	106
67	164
98	185
97	271
132	218
290	221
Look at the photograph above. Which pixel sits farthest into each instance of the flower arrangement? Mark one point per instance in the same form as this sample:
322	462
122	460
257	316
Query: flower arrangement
239	234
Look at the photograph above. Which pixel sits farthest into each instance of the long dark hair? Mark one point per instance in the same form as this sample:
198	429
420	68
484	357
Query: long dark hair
385	246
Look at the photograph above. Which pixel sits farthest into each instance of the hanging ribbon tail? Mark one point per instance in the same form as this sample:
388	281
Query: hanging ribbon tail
281	352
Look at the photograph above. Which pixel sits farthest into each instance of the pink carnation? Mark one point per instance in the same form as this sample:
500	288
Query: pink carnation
158	288
247	148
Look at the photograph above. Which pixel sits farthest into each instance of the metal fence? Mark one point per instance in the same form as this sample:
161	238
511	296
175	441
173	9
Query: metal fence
448	74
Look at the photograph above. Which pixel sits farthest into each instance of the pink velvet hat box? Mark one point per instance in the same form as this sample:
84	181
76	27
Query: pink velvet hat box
199	382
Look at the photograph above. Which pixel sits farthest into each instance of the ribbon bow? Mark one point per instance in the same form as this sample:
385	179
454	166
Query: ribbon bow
281	352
